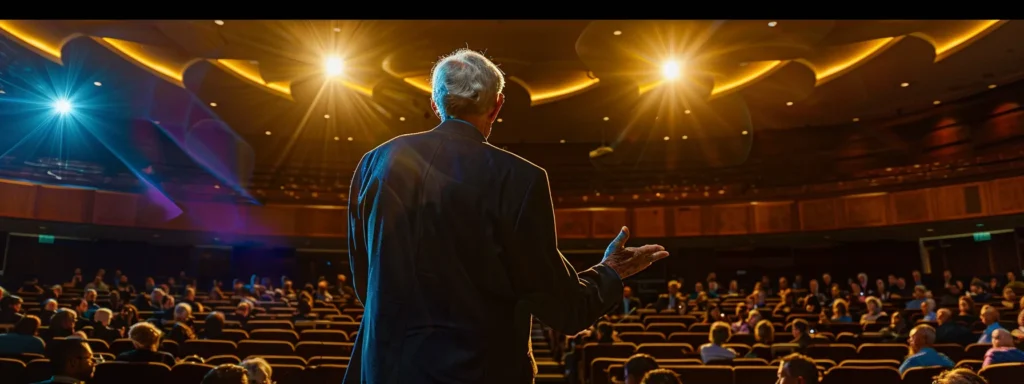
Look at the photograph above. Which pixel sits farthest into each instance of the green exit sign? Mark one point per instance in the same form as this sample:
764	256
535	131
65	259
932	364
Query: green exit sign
982	236
45	239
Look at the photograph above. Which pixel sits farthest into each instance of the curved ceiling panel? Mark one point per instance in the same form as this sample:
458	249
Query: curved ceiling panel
769	99
545	86
832	62
955	35
745	74
249	70
43	38
165	63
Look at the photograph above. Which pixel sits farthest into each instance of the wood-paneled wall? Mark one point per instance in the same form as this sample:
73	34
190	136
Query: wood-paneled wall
961	201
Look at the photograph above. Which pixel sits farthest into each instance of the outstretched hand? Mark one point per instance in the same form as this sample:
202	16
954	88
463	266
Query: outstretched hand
628	261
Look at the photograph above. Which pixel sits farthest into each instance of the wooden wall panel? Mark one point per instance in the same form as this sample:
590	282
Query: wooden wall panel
607	222
686	221
213	217
573	223
64	204
773	217
910	207
864	210
732	219
322	222
959	201
1007	196
114	208
649	222
818	215
271	220
17	199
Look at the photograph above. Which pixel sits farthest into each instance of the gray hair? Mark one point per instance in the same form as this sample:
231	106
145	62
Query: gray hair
465	83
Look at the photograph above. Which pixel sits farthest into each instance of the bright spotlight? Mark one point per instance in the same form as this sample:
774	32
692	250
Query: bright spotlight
62	106
670	70
333	66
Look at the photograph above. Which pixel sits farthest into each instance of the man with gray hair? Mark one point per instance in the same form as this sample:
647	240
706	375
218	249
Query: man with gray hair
453	248
921	340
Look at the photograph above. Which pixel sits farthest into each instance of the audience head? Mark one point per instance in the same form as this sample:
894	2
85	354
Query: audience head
928	306
720	333
959	376
145	336
214	323
28	325
226	374
605	331
661	376
50	305
637	366
103	316
840	308
467	85
157	296
673	286
11	303
627	292
874	305
989	315
63	319
182	312
920	292
966	305
81	306
1002	338
764	332
258	370
922	336
90	295
797	369
800	327
71	357
943	315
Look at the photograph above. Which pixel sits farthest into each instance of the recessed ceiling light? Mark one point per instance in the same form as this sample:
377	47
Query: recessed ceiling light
666	138
216	187
789	103
98	84
616	33
336	29
561	141
500	119
904	85
687	111
930	230
772	24
744	132
856	119
605	118
937	102
888	169
213	104
401	118
350	138
218	22
990	86
267	133
327	116
336	138
685	137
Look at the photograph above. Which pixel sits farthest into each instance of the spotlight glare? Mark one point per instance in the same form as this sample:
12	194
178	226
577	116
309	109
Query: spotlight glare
670	70
98	84
62	106
333	66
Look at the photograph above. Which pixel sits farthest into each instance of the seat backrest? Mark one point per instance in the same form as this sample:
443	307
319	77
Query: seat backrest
642	337
208	348
870	363
115	372
921	375
1003	373
754	374
330	335
874	375
189	372
311	349
883	351
12	369
274	335
248	348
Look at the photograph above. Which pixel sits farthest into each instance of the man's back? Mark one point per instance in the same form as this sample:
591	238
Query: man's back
450	258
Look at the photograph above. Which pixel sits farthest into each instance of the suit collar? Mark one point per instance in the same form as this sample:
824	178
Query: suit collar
461	128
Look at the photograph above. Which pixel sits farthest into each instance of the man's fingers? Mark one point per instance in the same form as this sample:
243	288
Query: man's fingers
649	249
620	241
658	256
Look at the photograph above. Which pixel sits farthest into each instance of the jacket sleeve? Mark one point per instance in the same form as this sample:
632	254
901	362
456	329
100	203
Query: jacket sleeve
357	256
542	278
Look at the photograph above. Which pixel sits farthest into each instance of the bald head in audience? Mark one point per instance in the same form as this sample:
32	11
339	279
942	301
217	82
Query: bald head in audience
943	316
922	336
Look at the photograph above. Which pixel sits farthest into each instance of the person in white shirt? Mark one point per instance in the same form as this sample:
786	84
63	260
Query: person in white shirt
715	351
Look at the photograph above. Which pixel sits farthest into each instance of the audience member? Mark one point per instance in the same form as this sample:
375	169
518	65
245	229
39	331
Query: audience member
182	331
258	370
1003	349
213	328
10	309
71	362
637	367
22	338
101	326
629	303
921	340
797	369
959	376
949	331
227	374
146	339
715	350
661	376
874	306
928	310
989	317
62	324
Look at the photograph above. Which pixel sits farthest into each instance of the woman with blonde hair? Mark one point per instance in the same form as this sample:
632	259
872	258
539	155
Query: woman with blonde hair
146	339
875	311
959	376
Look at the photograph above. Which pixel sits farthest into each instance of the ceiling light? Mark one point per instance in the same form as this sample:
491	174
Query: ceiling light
267	133
888	169
937	102
666	138
336	29
98	84
991	86
789	103
62	106
744	133
500	119
216	187
336	138
213	104
401	118
685	137
561	141
856	119
334	66
349	138
904	85
605	118
616	33
670	70
687	111
772	24
327	116
218	22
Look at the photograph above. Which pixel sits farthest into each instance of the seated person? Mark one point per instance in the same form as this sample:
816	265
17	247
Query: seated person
22	338
71	361
62	324
227	374
213	329
146	338
258	370
959	376
921	339
101	326
637	367
1003	350
661	376
797	369
715	351
949	331
182	331
10	309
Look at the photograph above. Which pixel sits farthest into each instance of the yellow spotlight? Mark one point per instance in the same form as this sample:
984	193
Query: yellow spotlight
670	70
334	66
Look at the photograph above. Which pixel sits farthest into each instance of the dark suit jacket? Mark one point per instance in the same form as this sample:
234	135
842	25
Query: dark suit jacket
452	246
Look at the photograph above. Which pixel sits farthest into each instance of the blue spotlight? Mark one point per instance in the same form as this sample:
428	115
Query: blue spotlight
62	106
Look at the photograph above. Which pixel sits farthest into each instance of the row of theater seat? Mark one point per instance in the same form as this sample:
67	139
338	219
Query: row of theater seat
242	349
16	372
